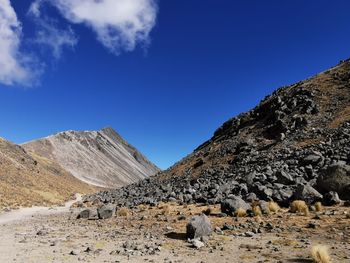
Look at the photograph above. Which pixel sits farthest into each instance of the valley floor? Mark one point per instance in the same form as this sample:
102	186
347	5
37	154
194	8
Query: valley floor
158	235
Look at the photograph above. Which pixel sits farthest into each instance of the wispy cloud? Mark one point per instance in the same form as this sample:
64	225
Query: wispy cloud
15	67
56	39
49	34
120	25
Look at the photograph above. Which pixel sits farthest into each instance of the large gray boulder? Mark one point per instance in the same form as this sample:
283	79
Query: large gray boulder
106	211
307	193
90	214
229	206
198	226
335	178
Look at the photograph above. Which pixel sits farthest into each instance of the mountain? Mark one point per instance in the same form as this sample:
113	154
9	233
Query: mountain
27	179
100	158
279	150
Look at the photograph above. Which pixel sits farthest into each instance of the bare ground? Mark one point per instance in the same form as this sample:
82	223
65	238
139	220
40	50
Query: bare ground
158	235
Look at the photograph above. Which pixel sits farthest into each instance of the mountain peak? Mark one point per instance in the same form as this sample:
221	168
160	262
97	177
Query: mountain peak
101	158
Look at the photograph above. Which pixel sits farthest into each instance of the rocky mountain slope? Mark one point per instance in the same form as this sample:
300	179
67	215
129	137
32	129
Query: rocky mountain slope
285	148
27	179
100	158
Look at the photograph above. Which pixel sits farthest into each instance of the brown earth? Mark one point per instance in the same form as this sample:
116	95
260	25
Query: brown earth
27	179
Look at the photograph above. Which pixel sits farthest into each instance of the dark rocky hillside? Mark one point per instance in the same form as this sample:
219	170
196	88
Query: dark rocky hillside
294	144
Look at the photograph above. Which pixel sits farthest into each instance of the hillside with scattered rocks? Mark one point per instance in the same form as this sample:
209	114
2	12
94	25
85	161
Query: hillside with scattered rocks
294	145
100	158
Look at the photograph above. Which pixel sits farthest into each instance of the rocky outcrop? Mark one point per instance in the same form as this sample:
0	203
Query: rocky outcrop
275	151
100	158
335	178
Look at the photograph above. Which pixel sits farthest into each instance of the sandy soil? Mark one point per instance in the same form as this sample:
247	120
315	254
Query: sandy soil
28	212
158	235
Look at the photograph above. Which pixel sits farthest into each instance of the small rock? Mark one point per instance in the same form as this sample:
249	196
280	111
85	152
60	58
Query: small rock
74	252
249	234
197	243
198	226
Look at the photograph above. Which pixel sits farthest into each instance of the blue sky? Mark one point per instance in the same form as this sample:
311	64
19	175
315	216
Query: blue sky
166	89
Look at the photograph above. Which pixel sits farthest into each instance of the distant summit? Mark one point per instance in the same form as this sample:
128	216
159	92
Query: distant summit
100	158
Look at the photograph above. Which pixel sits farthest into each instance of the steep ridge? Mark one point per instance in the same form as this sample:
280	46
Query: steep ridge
27	179
100	158
278	150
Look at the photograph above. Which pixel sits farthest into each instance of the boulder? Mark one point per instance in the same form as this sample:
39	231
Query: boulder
331	198
264	206
90	214
335	178
198	226
307	193
312	159
106	211
229	206
284	177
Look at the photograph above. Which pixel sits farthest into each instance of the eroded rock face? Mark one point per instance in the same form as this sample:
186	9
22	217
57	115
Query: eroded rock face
101	158
335	178
198	226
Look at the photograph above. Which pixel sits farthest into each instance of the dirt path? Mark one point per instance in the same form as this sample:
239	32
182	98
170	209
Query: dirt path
156	234
26	213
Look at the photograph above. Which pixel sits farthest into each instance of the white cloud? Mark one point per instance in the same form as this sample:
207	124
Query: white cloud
49	34
14	67
55	38
119	24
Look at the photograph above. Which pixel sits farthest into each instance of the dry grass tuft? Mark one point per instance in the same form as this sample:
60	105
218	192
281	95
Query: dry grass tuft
318	207
165	209
299	206
319	254
257	210
240	212
142	207
274	207
123	211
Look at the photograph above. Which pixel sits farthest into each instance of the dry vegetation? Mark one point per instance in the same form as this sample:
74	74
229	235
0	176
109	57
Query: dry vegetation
257	210
300	207
320	254
274	207
124	212
318	207
240	212
27	179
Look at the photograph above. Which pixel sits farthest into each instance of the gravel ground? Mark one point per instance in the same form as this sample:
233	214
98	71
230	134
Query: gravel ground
158	235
